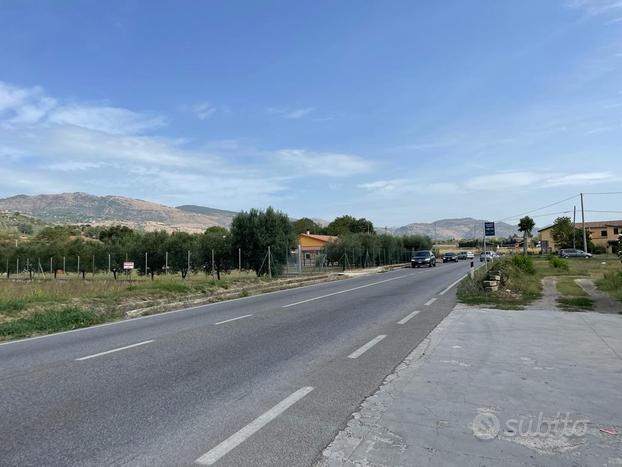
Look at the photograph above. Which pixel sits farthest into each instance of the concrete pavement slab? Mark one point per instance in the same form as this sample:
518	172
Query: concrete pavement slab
493	387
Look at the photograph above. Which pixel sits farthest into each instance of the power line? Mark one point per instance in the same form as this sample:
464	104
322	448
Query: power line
605	193
538	209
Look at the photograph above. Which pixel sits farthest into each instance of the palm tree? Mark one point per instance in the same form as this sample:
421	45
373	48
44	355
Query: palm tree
526	225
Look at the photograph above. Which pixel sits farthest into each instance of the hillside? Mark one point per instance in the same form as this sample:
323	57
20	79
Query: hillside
464	228
225	216
17	224
83	208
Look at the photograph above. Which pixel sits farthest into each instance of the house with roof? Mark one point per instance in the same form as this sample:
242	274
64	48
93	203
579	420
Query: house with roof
603	233
311	245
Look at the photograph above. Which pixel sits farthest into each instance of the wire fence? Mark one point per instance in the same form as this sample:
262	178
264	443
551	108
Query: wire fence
295	261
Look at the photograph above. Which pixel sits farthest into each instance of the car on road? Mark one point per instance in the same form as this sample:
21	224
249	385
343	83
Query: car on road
423	258
573	253
450	257
462	255
470	255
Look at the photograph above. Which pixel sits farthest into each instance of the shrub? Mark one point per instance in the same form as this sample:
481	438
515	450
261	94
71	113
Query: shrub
558	263
524	263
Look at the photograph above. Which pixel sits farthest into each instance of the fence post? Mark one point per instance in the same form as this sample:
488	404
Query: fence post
78	265
299	258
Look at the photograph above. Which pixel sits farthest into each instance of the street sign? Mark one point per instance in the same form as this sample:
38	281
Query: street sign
128	265
489	229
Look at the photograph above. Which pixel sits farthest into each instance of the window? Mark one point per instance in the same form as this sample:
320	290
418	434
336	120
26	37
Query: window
603	233
616	231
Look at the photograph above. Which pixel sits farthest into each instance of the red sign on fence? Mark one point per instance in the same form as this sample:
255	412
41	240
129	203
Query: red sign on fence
128	265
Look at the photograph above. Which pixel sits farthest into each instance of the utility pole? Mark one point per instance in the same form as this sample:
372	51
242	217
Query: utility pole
583	222
574	228
269	263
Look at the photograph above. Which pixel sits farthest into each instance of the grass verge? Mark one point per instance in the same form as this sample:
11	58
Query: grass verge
575	303
44	322
568	287
519	285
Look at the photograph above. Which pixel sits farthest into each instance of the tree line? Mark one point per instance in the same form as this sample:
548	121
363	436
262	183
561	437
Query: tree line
257	240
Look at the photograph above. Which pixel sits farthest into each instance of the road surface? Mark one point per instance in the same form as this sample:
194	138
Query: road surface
264	380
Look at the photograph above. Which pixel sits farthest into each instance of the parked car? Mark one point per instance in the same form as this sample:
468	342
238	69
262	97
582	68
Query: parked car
462	255
450	257
423	258
573	253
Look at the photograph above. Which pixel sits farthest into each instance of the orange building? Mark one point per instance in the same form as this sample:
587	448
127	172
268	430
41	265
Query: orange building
311	245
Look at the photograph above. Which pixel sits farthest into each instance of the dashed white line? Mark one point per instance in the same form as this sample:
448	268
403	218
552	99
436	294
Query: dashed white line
429	302
407	318
345	291
360	351
238	438
113	350
232	319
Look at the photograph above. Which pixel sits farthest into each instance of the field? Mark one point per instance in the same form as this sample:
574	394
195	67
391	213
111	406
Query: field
522	287
47	305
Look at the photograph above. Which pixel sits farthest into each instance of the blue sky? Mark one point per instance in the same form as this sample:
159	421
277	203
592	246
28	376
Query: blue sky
395	111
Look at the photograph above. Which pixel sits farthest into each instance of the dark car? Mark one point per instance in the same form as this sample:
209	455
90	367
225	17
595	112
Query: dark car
450	257
573	253
423	258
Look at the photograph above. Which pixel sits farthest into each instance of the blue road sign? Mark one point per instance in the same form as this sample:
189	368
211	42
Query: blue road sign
489	229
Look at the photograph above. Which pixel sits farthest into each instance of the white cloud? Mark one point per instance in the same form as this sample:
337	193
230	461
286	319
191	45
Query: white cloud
204	110
291	114
111	120
329	164
596	7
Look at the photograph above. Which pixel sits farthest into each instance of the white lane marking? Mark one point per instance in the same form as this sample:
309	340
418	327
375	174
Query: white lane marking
345	291
232	319
113	350
165	313
429	302
360	351
405	319
453	284
214	454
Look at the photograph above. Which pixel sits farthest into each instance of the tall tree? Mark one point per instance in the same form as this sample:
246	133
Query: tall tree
344	225
254	231
526	225
305	224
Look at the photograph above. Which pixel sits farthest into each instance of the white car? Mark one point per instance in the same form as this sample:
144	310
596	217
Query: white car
488	256
470	255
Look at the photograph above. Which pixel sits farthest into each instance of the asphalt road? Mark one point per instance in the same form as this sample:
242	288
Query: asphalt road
264	380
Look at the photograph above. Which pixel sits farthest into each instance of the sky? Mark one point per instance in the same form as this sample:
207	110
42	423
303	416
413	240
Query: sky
400	112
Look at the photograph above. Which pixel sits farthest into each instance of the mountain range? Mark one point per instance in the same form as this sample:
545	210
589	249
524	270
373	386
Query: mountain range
84	208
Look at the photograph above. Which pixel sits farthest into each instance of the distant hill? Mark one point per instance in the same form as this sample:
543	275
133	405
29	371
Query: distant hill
227	216
464	228
83	208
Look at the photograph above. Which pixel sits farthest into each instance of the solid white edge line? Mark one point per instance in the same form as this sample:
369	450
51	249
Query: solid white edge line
407	318
139	318
449	287
214	454
113	350
429	302
361	350
232	319
345	291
